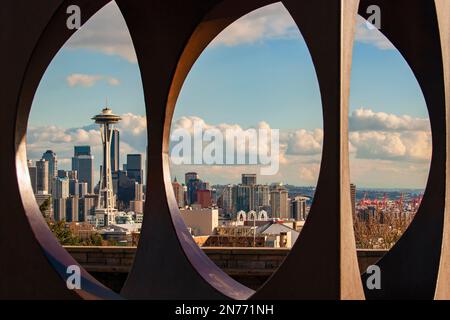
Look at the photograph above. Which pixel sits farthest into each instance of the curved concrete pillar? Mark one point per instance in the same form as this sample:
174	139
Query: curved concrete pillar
410	269
443	281
323	263
34	265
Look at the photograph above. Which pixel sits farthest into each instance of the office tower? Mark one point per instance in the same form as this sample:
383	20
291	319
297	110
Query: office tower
138	191
178	190
61	188
249	179
73	174
42	176
192	187
72	210
62	174
353	198
59	209
204	198
86	207
134	167
33	175
227	199
74	187
115	151
279	202
50	156
190	176
106	207
82	189
261	197
82	151
298	208
83	163
242	198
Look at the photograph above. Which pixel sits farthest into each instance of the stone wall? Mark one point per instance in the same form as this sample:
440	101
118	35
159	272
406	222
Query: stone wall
250	266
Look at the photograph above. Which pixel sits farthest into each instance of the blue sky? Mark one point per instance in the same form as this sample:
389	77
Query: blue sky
258	70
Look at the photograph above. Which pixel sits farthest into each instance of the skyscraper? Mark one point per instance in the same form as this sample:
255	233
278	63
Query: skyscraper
353	198
106	208
50	156
33	175
192	187
249	179
179	193
115	151
227	199
298	208
261	197
135	168
61	188
279	202
83	163
72	209
42	176
190	176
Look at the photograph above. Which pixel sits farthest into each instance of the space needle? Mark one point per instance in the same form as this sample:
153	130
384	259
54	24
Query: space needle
106	206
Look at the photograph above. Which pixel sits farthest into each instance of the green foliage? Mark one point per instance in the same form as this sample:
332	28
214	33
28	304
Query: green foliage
63	234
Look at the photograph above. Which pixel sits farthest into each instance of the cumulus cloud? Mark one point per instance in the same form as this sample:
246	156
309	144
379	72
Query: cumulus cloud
368	120
304	142
371	36
89	80
270	22
400	146
105	32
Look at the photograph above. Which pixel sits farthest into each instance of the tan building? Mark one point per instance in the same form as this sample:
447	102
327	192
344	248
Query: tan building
178	190
279	202
201	222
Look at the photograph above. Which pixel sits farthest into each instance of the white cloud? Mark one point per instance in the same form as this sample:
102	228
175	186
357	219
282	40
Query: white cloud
105	32
270	22
398	146
402	148
371	36
366	119
89	80
303	142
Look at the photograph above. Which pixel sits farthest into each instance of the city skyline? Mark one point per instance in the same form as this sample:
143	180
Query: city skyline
390	137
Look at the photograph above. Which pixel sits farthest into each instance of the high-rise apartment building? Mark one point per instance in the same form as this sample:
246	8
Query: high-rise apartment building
279	202
83	163
298	208
42	176
261	197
